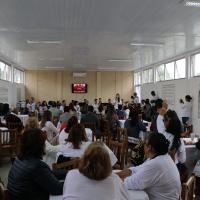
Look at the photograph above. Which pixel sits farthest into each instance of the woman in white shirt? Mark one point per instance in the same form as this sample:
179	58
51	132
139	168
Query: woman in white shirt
158	176
94	178
96	106
117	101
76	144
186	109
65	132
47	126
173	135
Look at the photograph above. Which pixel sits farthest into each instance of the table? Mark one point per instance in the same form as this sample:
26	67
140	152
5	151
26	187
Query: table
23	118
133	195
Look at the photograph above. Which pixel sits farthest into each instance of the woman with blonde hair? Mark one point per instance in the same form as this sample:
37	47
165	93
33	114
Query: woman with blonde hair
32	122
94	178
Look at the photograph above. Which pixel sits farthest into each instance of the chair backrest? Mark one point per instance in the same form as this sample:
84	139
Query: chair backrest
8	138
68	165
122	135
119	149
13	125
188	189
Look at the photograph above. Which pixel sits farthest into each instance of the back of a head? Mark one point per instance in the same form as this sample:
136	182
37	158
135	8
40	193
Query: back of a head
77	135
120	107
66	108
31	123
73	121
32	144
90	109
159	143
158	104
147	101
46	117
134	117
153	93
188	98
95	164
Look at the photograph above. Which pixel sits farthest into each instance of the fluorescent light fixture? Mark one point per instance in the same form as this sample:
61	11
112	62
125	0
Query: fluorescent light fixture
54	67
118	60
106	68
147	44
192	3
44	42
52	59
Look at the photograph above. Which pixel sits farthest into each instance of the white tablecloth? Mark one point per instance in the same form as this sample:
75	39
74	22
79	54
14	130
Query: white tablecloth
133	195
23	118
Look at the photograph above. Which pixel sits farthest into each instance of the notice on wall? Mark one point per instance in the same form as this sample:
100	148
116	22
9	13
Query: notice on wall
168	93
3	95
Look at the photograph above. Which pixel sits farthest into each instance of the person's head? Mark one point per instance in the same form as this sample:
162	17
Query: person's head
188	98
153	93
90	109
95	101
142	101
66	109
63	103
161	106
120	107
134	116
54	104
147	101
73	121
109	101
31	123
135	94
32	99
32	144
77	135
47	116
117	97
156	144
173	126
95	164
44	103
100	100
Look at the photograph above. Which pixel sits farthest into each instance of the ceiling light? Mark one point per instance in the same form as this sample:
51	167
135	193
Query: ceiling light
192	3
52	59
118	60
54	67
147	44
43	42
106	68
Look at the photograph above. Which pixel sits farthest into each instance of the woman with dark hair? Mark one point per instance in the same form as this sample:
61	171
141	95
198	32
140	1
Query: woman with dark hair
47	126
158	176
94	178
134	125
29	177
77	142
173	134
117	101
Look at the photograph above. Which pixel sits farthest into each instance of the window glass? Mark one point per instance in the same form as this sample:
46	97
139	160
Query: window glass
5	71
138	91
18	76
169	71
150	75
180	68
196	65
160	73
137	78
145	76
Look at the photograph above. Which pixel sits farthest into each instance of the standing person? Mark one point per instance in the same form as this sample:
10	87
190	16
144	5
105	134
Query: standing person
135	98
95	105
62	106
117	101
186	109
154	98
147	110
33	104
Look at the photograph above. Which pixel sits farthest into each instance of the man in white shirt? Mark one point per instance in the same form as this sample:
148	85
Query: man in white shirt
135	98
161	110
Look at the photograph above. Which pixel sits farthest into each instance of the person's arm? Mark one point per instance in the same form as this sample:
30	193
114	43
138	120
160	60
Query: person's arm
45	178
142	127
142	179
53	128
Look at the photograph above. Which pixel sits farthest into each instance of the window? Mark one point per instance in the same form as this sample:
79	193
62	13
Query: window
138	91
18	76
180	68
147	76
5	71
160	73
169	71
137	78
196	65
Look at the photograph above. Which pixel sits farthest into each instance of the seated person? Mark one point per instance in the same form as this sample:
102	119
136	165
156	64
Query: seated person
120	112
90	117
29	177
134	125
65	132
51	151
158	176
94	178
65	116
76	144
47	126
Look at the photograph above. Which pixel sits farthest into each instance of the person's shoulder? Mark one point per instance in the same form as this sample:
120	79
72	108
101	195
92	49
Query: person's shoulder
73	173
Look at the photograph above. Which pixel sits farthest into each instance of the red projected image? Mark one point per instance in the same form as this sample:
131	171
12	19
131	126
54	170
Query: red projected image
79	88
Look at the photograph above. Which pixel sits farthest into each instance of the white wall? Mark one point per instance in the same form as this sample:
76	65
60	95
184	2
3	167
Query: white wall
12	92
182	88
